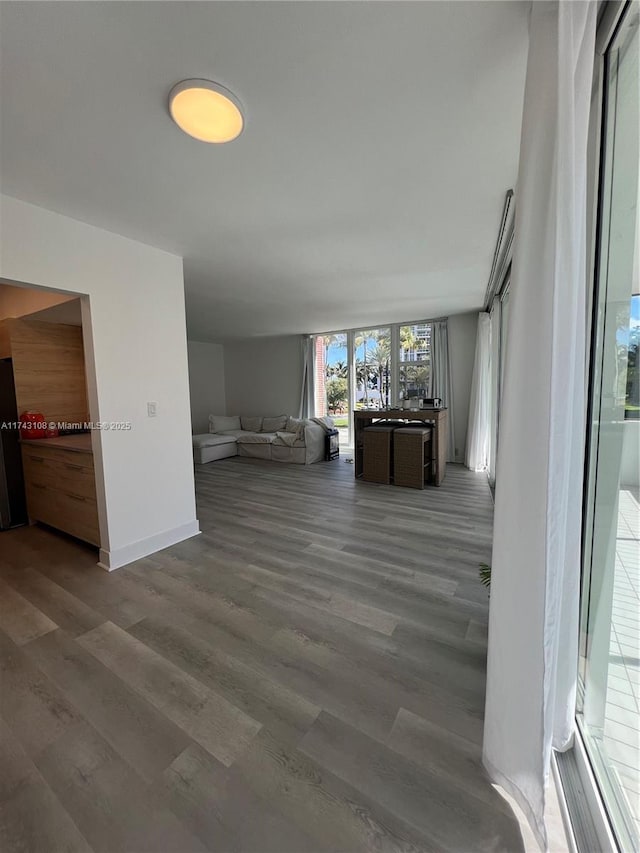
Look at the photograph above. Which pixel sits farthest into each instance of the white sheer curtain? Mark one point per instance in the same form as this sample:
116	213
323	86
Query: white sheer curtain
307	395
533	621
441	378
494	402
477	451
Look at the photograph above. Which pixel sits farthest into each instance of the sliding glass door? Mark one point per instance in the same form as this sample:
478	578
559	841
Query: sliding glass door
372	353
609	695
331	381
371	368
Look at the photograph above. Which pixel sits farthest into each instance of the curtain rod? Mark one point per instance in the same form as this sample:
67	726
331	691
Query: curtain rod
380	326
503	251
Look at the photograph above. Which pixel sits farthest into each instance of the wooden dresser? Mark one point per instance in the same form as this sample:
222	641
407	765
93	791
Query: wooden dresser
60	484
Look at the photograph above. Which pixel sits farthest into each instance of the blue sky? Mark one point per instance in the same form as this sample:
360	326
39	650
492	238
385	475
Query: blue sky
337	352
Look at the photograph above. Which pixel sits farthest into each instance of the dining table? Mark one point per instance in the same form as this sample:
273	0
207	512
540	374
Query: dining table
436	416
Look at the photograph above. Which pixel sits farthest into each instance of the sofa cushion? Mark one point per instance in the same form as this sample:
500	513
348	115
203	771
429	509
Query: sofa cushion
257	451
203	455
289	439
251	424
256	438
274	424
207	439
295	425
220	423
234	433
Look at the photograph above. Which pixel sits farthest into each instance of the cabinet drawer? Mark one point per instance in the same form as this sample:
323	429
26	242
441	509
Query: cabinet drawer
79	517
68	476
38	455
72	513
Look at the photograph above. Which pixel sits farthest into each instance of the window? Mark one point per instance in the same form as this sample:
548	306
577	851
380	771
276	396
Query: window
332	380
609	682
414	361
370	368
372	349
628	342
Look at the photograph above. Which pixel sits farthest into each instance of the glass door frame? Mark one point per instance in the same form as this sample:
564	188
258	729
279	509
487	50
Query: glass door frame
394	361
350	374
392	370
587	785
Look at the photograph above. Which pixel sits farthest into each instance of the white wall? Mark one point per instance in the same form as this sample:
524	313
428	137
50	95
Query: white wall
263	376
462	344
206	383
134	325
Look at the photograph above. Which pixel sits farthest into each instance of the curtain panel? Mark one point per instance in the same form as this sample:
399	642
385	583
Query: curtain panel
535	588
441	378
307	391
495	319
478	438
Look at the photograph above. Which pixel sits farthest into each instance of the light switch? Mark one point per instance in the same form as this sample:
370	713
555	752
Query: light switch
152	409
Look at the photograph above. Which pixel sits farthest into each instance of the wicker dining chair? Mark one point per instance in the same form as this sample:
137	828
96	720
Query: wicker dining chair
412	456
378	453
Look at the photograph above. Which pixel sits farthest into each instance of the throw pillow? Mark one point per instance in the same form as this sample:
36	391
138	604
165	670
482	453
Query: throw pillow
220	423
251	424
295	425
274	424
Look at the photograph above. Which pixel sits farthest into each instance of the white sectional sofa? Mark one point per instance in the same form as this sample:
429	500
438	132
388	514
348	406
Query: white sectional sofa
281	439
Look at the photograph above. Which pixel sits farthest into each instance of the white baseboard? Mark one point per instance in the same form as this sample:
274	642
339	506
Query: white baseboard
119	557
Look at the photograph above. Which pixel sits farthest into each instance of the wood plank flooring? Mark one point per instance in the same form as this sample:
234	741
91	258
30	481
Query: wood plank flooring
306	675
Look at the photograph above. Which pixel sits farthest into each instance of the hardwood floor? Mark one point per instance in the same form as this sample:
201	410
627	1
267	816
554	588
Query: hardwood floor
306	675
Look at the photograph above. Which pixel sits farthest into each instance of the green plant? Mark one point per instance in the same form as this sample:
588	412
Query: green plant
485	574
336	393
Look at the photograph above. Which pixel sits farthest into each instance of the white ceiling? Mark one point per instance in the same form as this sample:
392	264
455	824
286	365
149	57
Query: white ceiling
367	185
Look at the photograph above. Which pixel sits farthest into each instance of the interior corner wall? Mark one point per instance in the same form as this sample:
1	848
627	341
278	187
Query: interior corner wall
134	320
263	376
462	345
206	383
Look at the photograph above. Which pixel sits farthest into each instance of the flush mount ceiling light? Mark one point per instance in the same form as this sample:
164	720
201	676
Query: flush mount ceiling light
206	111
